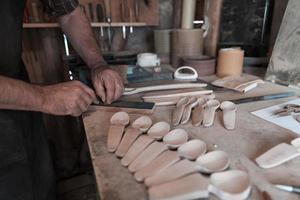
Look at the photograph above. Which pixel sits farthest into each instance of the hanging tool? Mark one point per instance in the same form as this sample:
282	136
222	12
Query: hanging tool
130	8
136	10
108	19
123	16
100	17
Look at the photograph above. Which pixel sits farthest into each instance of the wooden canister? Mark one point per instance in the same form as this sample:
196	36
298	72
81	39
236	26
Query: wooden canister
204	65
162	41
186	42
230	62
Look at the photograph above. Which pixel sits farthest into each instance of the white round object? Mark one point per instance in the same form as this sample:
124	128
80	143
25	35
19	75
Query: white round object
148	60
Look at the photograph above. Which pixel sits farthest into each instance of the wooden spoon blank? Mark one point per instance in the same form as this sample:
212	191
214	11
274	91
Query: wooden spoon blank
277	155
178	110
197	114
229	114
115	134
188	109
149	154
176	171
138	146
129	137
163	161
117	124
209	112
194	186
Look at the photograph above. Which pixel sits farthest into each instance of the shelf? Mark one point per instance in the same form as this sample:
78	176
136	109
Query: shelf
93	24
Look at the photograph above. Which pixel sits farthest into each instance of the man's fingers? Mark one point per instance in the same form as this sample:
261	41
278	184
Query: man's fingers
110	89
89	92
119	91
100	90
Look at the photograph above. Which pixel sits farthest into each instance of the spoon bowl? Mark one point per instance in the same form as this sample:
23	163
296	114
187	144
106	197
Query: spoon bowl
175	138
296	142
192	149
142	123
232	184
214	161
159	130
120	118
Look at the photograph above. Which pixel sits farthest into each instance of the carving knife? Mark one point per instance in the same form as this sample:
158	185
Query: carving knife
264	97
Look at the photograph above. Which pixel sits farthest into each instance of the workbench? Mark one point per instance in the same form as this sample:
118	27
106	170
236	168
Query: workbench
252	137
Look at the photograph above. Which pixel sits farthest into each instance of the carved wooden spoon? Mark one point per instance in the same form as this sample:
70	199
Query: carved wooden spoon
232	184
198	111
184	168
188	110
189	150
139	126
171	140
178	110
229	114
214	161
156	132
117	124
209	112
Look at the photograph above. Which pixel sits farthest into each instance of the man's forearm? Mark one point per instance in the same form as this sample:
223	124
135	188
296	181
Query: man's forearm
19	95
78	29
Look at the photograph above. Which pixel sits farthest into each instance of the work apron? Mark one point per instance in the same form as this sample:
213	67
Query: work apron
26	171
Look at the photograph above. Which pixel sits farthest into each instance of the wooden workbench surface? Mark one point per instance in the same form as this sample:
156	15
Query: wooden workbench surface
252	137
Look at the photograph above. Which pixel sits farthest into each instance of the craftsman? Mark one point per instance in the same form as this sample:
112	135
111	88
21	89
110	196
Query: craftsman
25	164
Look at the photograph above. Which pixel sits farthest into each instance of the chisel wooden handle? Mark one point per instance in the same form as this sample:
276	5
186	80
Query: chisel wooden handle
107	5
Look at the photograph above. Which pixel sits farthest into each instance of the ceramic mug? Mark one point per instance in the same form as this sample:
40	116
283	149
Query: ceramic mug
148	60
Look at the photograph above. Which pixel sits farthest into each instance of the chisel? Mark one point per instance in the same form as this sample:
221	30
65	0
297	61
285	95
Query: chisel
108	19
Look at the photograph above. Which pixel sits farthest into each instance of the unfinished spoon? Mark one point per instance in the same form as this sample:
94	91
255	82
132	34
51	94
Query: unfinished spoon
139	126
178	110
117	124
188	110
189	150
230	185
197	114
192	149
277	155
209	112
156	132
178	170
214	161
296	142
229	114
159	130
145	157
194	186
175	138
161	162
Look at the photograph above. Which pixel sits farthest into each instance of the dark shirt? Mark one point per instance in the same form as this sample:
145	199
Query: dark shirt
60	7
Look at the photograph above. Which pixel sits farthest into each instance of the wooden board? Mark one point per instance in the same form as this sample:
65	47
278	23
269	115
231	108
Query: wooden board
251	138
285	60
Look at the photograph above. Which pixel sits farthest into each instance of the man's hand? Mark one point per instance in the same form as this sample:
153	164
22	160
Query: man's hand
107	83
69	98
